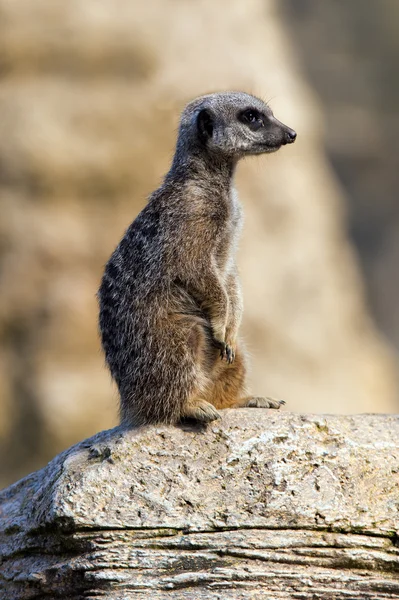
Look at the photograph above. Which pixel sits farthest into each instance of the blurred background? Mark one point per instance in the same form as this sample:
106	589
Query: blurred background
90	95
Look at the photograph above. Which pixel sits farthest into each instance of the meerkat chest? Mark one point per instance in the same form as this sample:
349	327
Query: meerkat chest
236	218
230	232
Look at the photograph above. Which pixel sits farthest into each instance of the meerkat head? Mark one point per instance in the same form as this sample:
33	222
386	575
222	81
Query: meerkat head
233	125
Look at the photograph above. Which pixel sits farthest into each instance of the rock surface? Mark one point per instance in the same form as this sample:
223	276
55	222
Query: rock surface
259	505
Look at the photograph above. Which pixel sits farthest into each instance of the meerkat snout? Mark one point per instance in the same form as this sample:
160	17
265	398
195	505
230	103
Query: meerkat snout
290	136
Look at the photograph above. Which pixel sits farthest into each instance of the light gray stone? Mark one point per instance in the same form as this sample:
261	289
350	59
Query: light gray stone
262	504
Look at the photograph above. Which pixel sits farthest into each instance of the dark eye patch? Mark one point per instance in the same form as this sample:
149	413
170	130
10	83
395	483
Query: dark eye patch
252	117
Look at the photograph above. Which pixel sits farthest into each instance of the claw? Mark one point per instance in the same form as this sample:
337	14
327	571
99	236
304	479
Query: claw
227	353
219	344
230	354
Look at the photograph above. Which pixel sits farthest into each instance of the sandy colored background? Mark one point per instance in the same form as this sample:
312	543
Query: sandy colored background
90	94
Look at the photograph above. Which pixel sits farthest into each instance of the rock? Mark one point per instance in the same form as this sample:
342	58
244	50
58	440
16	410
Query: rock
259	505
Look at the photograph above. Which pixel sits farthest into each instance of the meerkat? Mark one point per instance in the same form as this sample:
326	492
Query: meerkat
170	298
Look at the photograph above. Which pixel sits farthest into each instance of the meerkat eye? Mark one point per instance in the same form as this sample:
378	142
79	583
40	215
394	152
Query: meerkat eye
251	117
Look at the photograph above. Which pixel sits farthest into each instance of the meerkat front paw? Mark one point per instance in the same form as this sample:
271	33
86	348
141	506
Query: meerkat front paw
201	411
259	402
227	352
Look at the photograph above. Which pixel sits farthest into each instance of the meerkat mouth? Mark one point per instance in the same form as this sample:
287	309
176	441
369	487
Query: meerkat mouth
269	147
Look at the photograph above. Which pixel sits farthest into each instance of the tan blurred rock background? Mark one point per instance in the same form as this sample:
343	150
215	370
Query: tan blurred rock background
90	94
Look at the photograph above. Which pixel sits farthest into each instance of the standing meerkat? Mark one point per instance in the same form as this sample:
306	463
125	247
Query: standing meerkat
170	298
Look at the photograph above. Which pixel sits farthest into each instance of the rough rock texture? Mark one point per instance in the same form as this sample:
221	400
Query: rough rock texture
259	505
89	102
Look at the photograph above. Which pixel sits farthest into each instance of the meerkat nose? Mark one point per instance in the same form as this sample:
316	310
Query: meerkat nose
290	136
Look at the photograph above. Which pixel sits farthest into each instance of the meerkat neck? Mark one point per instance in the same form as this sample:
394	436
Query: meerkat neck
197	165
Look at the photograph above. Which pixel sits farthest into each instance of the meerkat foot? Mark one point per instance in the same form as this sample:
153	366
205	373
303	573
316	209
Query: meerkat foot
201	411
259	402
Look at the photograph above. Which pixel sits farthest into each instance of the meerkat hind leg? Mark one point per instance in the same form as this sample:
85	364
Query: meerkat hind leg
230	391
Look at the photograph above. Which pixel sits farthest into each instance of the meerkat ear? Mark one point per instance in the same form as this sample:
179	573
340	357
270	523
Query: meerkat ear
205	125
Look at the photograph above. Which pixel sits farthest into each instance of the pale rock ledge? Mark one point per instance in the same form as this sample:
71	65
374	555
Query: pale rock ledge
261	504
